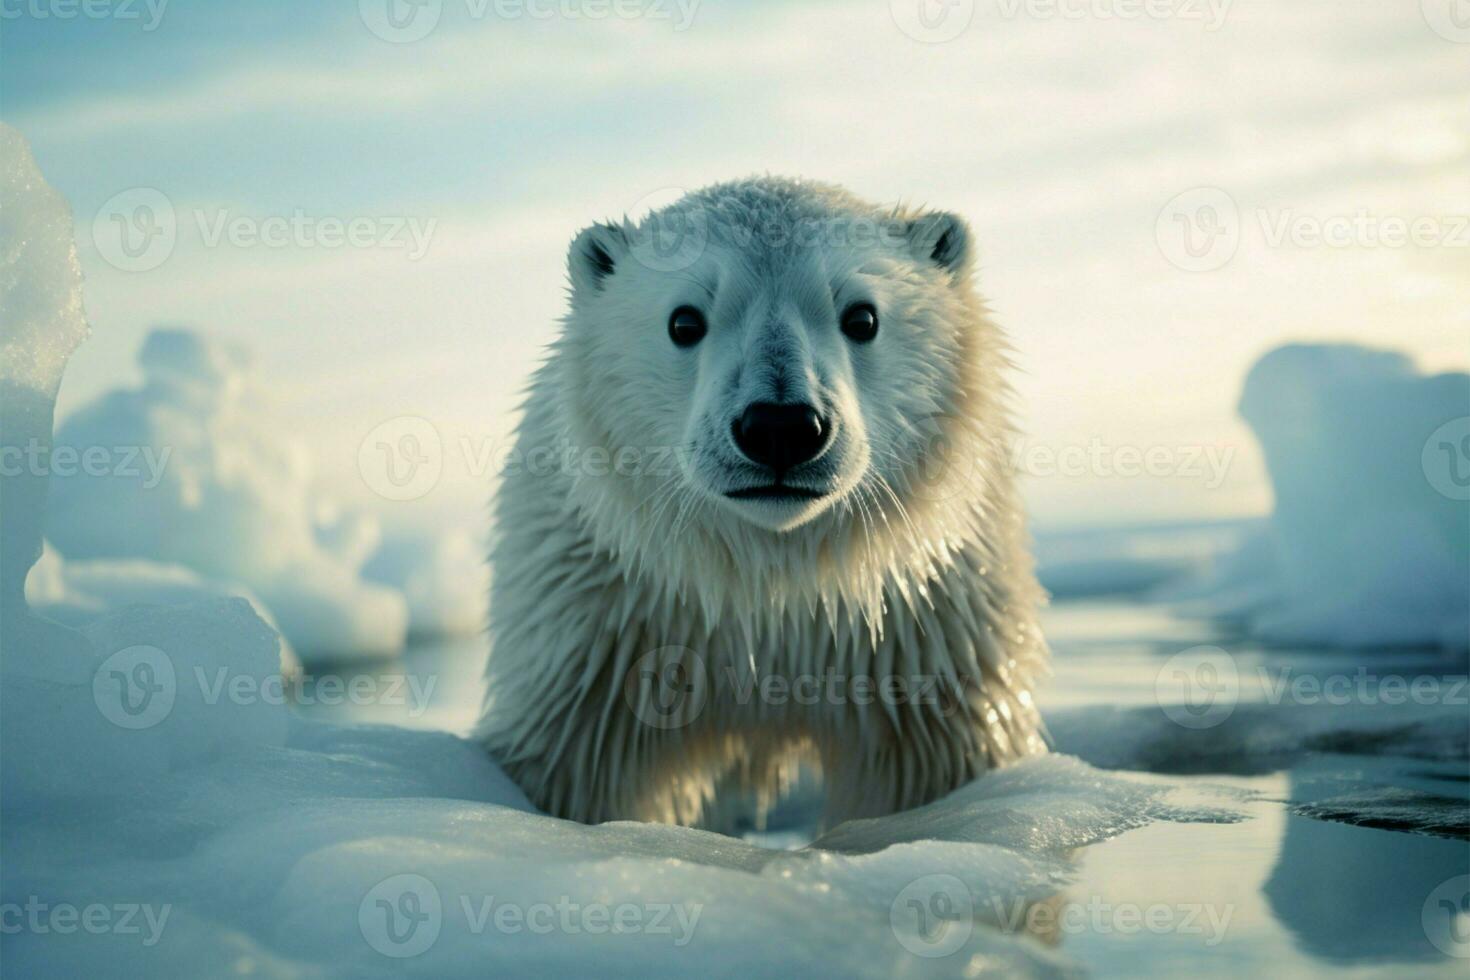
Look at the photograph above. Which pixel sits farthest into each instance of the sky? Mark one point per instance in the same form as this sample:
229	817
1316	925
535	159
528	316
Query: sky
1161	191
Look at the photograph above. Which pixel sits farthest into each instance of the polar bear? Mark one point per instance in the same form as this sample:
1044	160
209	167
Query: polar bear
759	514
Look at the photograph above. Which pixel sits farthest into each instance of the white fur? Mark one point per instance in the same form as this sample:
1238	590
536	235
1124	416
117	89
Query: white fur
608	584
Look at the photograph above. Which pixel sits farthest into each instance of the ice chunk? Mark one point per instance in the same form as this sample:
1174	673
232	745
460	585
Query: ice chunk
1369	542
444	577
41	323
76	593
160	688
1091	562
215	489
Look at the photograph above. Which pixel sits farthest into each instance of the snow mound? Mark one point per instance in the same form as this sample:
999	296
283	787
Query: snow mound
211	488
444	578
1369	542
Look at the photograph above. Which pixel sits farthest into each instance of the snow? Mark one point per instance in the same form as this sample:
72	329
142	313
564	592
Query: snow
1369	541
197	478
443	577
218	490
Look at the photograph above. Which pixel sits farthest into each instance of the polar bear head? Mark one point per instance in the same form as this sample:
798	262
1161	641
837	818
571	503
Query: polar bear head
804	362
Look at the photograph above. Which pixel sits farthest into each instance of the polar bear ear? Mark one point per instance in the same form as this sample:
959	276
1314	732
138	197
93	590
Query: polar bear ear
594	256
942	238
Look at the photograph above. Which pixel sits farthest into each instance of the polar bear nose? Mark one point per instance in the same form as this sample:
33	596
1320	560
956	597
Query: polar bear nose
780	436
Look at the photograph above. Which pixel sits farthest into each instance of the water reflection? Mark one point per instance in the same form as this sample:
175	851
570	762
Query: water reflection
1356	894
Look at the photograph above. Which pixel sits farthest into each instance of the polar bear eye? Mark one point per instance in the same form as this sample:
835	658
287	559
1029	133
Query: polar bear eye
686	326
860	322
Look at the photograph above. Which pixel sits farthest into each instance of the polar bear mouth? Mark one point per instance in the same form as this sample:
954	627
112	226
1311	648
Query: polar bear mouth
775	491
